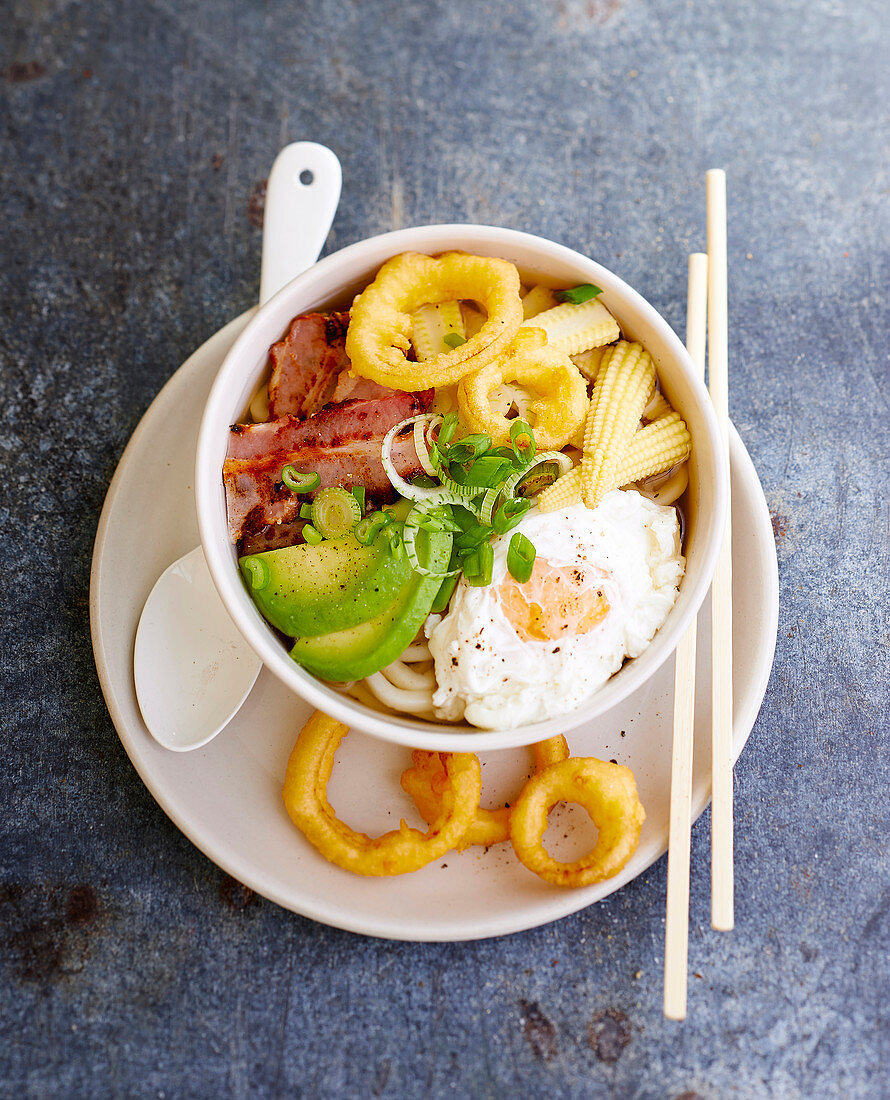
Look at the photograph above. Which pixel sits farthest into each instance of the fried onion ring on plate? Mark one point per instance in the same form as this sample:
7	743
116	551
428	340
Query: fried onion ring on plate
426	781
381	322
608	792
557	391
396	852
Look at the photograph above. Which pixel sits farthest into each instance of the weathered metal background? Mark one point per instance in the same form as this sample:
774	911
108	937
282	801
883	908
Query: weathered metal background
135	137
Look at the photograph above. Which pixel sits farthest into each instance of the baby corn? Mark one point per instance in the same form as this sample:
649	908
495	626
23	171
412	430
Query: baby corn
473	318
589	362
538	299
623	387
573	329
563	493
655	448
432	323
657	408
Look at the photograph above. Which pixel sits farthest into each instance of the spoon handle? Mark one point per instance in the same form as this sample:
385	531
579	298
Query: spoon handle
301	200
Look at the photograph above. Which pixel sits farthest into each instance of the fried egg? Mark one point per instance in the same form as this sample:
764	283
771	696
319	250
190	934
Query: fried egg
603	582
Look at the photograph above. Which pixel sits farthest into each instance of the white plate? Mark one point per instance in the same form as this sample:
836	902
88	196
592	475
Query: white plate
226	797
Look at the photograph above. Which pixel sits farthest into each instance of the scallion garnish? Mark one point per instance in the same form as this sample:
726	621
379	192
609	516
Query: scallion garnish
443	596
520	558
576	295
424	481
523	440
453	339
366	530
298	482
488	471
468	448
305	511
509	514
358	491
537	479
311	535
478	566
472	539
334	512
447	429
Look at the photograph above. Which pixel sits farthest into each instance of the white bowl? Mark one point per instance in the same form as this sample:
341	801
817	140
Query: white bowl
332	283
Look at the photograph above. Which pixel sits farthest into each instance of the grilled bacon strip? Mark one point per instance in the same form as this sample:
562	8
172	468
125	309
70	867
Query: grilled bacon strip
341	444
307	364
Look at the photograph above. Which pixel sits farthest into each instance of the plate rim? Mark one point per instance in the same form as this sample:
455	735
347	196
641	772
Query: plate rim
562	904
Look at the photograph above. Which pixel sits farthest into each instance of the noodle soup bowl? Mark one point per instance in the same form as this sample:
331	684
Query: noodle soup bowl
332	284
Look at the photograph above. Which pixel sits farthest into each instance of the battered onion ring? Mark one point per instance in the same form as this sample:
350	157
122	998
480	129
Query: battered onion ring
607	792
394	853
381	324
558	404
426	781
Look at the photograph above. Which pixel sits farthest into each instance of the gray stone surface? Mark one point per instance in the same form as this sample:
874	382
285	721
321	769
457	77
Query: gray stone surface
132	138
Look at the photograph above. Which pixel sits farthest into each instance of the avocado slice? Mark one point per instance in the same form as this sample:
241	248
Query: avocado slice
367	647
313	590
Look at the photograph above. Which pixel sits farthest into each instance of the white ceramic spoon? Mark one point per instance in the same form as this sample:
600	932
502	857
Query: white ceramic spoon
192	668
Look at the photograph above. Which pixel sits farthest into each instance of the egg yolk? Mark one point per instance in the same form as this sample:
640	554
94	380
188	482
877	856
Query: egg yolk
555	602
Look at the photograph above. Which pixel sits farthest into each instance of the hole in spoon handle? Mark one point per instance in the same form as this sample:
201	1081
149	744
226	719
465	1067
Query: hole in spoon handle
301	200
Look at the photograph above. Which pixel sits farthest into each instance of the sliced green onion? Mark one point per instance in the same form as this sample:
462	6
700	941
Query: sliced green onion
520	431
468	448
424	481
393	533
422	428
453	339
459	489
577	294
403	487
358	491
502	452
299	482
479	565
312	536
520	558
437	458
447	430
563	461
486	508
258	570
470	540
305	511
509	514
537	479
487	472
443	596
335	511
367	529
432	515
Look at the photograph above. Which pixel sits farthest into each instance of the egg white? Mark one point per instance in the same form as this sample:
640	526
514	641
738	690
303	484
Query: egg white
489	676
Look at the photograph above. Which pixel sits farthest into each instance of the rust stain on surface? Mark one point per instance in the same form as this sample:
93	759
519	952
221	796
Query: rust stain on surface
256	204
780	525
608	1034
539	1031
47	929
19	72
236	895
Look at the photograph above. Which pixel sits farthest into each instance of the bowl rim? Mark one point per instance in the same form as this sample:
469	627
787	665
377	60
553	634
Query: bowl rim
218	551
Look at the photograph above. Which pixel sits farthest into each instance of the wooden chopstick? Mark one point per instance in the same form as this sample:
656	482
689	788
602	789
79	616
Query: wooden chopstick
722	887
676	924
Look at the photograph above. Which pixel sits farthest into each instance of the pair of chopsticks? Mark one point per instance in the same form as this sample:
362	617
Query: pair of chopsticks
706	307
